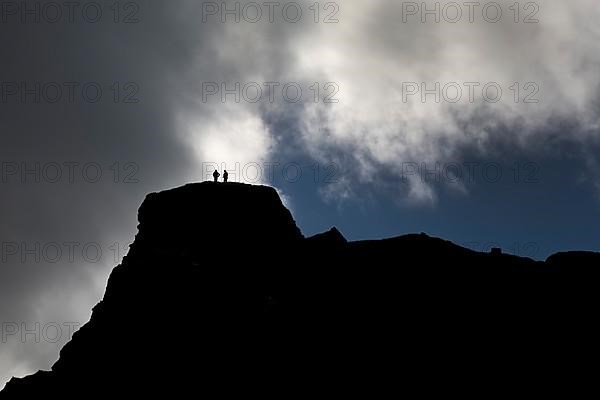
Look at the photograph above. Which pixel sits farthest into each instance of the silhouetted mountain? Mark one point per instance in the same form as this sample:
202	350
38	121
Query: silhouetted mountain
221	294
332	237
582	259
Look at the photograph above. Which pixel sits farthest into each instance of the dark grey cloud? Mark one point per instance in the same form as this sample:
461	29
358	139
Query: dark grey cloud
77	138
140	135
160	133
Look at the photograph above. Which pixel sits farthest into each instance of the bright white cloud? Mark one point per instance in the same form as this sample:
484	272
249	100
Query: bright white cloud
373	57
370	53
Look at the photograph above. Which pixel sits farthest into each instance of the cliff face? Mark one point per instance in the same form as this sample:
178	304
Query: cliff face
221	294
232	215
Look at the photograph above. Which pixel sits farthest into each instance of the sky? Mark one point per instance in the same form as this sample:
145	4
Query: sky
478	122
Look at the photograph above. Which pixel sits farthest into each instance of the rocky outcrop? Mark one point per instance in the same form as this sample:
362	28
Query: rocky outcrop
220	294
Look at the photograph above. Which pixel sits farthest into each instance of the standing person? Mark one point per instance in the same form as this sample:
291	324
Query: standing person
216	175
225	175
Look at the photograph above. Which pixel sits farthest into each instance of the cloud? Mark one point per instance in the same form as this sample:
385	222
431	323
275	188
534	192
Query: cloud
372	55
165	138
546	72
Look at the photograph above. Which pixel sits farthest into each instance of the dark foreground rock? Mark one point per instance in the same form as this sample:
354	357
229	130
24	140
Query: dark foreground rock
221	294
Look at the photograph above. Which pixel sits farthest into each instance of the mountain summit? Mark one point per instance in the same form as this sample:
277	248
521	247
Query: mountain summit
221	294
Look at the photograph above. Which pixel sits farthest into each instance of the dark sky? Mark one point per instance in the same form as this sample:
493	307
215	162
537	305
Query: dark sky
99	106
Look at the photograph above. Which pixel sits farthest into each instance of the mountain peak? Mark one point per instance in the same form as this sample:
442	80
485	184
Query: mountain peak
331	237
231	215
221	292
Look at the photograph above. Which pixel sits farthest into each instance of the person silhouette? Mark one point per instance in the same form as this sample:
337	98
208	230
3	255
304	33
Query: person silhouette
225	175
216	175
